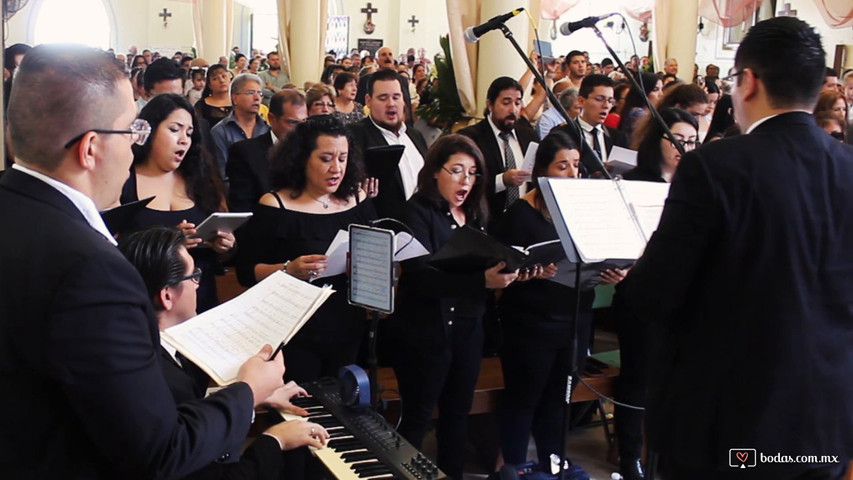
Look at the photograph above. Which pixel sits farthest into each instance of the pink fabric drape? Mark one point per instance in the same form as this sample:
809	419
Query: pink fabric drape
836	13
729	13
552	9
640	10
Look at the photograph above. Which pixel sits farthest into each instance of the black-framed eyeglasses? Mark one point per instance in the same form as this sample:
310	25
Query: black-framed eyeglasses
195	276
459	173
602	99
686	144
139	132
731	78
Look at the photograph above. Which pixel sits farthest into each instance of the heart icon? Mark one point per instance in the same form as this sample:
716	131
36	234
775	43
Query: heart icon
742	456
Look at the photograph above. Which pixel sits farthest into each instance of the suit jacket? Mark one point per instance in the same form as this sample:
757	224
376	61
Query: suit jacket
85	394
482	134
262	460
248	172
612	137
391	199
745	293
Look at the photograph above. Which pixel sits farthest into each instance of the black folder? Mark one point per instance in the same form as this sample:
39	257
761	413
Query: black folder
544	254
120	218
382	162
470	250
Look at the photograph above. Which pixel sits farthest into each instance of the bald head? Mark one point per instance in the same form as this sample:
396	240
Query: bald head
65	90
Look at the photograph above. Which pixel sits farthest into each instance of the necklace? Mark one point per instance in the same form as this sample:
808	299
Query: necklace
324	203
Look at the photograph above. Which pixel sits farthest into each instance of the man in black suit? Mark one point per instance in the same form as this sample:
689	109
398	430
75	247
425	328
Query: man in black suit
596	99
84	395
248	167
170	277
386	126
743	295
503	138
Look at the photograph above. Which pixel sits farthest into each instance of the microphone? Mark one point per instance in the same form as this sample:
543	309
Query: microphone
570	27
473	34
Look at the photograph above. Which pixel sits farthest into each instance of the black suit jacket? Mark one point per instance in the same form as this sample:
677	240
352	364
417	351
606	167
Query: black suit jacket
392	197
588	162
745	292
84	393
482	134
262	460
248	172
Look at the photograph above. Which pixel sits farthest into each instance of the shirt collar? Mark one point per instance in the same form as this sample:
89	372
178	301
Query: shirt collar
587	127
83	203
497	131
274	138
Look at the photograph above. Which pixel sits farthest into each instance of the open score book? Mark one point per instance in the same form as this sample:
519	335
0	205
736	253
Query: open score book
221	339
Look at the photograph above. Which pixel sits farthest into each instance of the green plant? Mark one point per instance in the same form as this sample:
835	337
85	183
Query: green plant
442	107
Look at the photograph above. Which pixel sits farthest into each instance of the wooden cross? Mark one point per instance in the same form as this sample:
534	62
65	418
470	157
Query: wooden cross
413	21
786	11
369	26
166	14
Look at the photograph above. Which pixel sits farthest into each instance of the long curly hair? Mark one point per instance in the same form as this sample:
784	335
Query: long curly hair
203	182
290	155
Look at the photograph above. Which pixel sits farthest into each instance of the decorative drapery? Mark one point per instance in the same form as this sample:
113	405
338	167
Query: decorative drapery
553	9
460	15
284	35
836	13
729	13
640	10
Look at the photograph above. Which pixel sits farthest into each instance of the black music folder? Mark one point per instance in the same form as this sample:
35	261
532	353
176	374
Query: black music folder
382	162
118	219
544	253
471	250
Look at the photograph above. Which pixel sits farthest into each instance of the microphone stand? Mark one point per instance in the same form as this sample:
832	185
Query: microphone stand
553	99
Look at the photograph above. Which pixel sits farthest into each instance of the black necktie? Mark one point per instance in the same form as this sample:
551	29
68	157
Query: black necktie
596	145
511	191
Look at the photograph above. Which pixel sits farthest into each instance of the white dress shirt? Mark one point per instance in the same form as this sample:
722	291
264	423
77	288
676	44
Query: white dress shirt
411	163
515	146
587	133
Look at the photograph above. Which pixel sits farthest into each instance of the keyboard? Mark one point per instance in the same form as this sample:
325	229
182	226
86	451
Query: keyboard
362	444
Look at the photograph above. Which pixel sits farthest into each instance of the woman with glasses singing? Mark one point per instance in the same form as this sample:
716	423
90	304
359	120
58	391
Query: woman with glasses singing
657	156
537	317
315	177
436	331
172	166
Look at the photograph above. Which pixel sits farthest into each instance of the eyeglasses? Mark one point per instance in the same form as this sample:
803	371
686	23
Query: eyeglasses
459	173
686	144
731	78
250	93
195	277
322	104
139	132
603	99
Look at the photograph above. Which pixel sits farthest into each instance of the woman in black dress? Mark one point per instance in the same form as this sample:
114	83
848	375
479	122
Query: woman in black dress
657	157
437	328
215	103
174	168
315	177
538	319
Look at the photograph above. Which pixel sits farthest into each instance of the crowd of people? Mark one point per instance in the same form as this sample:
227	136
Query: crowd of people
81	325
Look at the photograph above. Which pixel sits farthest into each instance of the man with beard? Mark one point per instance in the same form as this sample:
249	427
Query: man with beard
386	126
274	78
503	138
596	100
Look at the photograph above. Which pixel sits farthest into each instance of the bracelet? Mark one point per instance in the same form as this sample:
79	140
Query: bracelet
284	266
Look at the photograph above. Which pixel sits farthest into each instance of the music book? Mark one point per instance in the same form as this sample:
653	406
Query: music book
604	219
470	250
220	221
382	162
543	253
221	339
621	160
118	219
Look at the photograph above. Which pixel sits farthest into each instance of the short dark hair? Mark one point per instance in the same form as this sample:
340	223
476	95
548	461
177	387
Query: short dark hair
831	72
289	156
589	83
383	75
649	134
342	79
62	89
285	96
238	56
500	84
201	178
683	96
711	85
606	62
155	253
475	206
160	70
793	43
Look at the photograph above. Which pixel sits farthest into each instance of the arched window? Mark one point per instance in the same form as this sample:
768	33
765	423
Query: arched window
80	21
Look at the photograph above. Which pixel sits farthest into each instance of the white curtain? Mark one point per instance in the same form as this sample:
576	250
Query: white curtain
460	14
284	34
197	28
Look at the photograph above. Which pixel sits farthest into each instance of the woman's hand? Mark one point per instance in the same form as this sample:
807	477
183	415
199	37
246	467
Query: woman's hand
549	271
370	186
307	267
223	242
189	229
281	397
613	276
529	273
495	279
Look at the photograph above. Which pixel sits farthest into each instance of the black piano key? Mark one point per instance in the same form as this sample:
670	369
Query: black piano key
357	456
327	422
340	433
381	470
305	402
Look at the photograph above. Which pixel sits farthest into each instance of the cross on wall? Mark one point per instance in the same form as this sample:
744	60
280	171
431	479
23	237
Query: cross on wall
165	14
414	21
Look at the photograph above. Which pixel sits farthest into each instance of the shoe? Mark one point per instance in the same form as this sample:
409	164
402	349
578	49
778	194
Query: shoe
632	470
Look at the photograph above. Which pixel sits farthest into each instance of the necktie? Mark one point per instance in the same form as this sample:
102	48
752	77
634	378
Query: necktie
596	145
511	191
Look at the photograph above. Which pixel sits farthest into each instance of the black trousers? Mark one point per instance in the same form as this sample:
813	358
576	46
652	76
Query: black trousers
443	377
631	384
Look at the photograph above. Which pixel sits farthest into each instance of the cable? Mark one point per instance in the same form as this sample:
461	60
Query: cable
399	223
634	48
605	397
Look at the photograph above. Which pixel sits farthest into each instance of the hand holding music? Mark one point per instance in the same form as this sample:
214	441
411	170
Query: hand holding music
496	279
307	267
189	229
262	373
296	433
515	177
529	273
613	276
223	242
370	186
281	397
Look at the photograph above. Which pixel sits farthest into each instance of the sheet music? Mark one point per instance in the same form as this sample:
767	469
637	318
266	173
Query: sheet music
220	340
623	155
408	247
647	200
530	157
336	255
598	221
371	279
